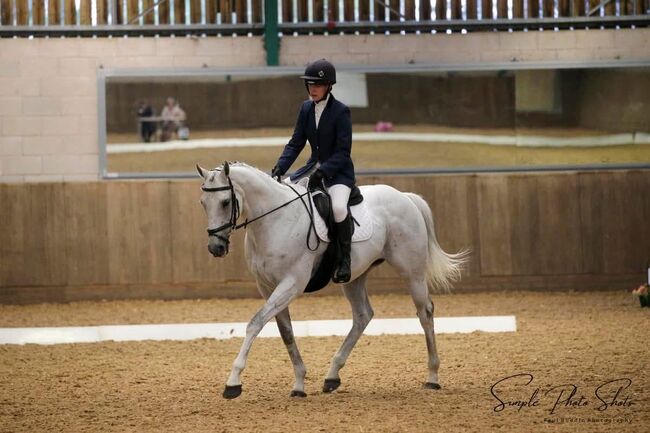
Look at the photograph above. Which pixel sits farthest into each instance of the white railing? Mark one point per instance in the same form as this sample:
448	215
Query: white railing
103	17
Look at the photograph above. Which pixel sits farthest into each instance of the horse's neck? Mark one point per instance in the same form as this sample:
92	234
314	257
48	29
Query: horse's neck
261	192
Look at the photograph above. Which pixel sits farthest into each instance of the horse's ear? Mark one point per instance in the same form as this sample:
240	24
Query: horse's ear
226	168
202	171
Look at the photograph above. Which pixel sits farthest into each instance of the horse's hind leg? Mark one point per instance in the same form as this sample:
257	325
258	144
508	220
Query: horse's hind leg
286	331
362	312
413	268
424	307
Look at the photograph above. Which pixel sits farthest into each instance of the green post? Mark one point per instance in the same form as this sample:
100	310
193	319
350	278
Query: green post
271	39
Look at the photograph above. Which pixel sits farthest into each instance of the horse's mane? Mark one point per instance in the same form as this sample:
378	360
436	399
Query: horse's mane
256	171
243	165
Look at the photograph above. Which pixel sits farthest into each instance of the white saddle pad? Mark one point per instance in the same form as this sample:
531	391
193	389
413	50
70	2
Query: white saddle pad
360	213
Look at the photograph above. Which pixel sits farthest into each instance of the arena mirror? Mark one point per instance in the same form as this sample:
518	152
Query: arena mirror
406	119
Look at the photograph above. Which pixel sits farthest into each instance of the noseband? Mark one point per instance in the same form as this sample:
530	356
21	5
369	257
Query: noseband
234	211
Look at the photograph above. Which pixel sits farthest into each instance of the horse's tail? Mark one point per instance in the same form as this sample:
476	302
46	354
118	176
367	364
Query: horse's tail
442	268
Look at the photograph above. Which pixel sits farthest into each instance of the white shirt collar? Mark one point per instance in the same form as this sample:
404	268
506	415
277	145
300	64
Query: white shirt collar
319	107
323	103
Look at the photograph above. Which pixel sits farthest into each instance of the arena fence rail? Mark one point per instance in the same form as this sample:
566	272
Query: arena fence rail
87	18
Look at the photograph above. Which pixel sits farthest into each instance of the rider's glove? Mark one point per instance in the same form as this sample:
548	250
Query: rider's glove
276	173
316	180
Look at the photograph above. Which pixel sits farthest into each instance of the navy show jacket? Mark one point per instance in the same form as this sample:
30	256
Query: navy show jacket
331	143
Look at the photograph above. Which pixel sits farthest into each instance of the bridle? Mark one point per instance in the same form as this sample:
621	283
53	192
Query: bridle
234	213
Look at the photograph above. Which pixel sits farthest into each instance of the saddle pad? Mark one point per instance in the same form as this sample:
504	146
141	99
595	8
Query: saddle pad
360	213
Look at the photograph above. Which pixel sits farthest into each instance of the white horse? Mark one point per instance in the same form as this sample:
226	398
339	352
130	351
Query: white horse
277	255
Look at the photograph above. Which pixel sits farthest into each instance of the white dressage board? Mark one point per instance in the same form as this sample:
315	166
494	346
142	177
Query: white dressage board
192	331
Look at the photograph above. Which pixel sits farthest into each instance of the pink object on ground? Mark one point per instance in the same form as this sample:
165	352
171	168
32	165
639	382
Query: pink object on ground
383	126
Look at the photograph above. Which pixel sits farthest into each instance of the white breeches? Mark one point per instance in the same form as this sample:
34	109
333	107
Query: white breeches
340	195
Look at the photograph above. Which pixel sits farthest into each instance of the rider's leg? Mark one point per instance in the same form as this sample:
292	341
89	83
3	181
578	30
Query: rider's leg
340	194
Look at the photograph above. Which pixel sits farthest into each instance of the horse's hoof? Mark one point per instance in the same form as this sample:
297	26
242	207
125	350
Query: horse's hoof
295	393
331	384
232	392
429	385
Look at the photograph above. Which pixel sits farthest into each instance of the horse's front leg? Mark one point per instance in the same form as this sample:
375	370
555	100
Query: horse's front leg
283	320
284	293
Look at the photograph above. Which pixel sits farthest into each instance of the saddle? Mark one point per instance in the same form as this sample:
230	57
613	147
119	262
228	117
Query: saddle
323	205
323	272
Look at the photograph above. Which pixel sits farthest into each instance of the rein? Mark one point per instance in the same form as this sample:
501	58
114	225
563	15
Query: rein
234	214
310	212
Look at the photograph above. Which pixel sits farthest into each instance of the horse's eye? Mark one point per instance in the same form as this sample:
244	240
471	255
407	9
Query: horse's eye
225	203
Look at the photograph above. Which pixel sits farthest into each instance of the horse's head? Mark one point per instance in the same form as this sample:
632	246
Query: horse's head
221	205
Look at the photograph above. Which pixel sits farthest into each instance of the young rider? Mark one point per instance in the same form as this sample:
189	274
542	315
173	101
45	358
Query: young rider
325	123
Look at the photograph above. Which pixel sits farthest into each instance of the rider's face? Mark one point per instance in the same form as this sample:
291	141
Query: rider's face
317	91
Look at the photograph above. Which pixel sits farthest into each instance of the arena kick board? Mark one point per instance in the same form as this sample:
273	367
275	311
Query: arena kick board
192	331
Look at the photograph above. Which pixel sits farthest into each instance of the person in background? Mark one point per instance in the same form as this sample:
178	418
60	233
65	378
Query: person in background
147	127
173	117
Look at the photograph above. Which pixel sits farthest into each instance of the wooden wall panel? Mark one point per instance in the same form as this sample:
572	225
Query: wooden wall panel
210	11
45	234
101	13
132	11
548	230
615	221
179	12
86	233
33	251
192	261
545	218
185	221
69	12
494	222
12	232
139	233
529	224
224	7
84	13
53	15
453	204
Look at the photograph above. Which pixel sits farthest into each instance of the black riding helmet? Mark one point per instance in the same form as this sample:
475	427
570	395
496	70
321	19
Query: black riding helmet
320	72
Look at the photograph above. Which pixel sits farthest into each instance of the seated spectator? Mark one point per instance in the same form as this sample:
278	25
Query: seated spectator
173	117
147	128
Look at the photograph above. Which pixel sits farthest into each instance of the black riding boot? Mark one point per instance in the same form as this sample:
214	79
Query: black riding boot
342	273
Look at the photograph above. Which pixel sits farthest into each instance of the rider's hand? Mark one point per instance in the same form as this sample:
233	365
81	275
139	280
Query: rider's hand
316	180
276	173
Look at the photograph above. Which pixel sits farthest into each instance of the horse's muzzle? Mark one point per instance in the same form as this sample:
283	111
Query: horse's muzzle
217	250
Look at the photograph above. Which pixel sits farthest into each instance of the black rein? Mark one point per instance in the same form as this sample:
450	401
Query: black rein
234	215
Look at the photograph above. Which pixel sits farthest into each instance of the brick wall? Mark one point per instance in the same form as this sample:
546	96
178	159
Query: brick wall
48	95
48	87
532	46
